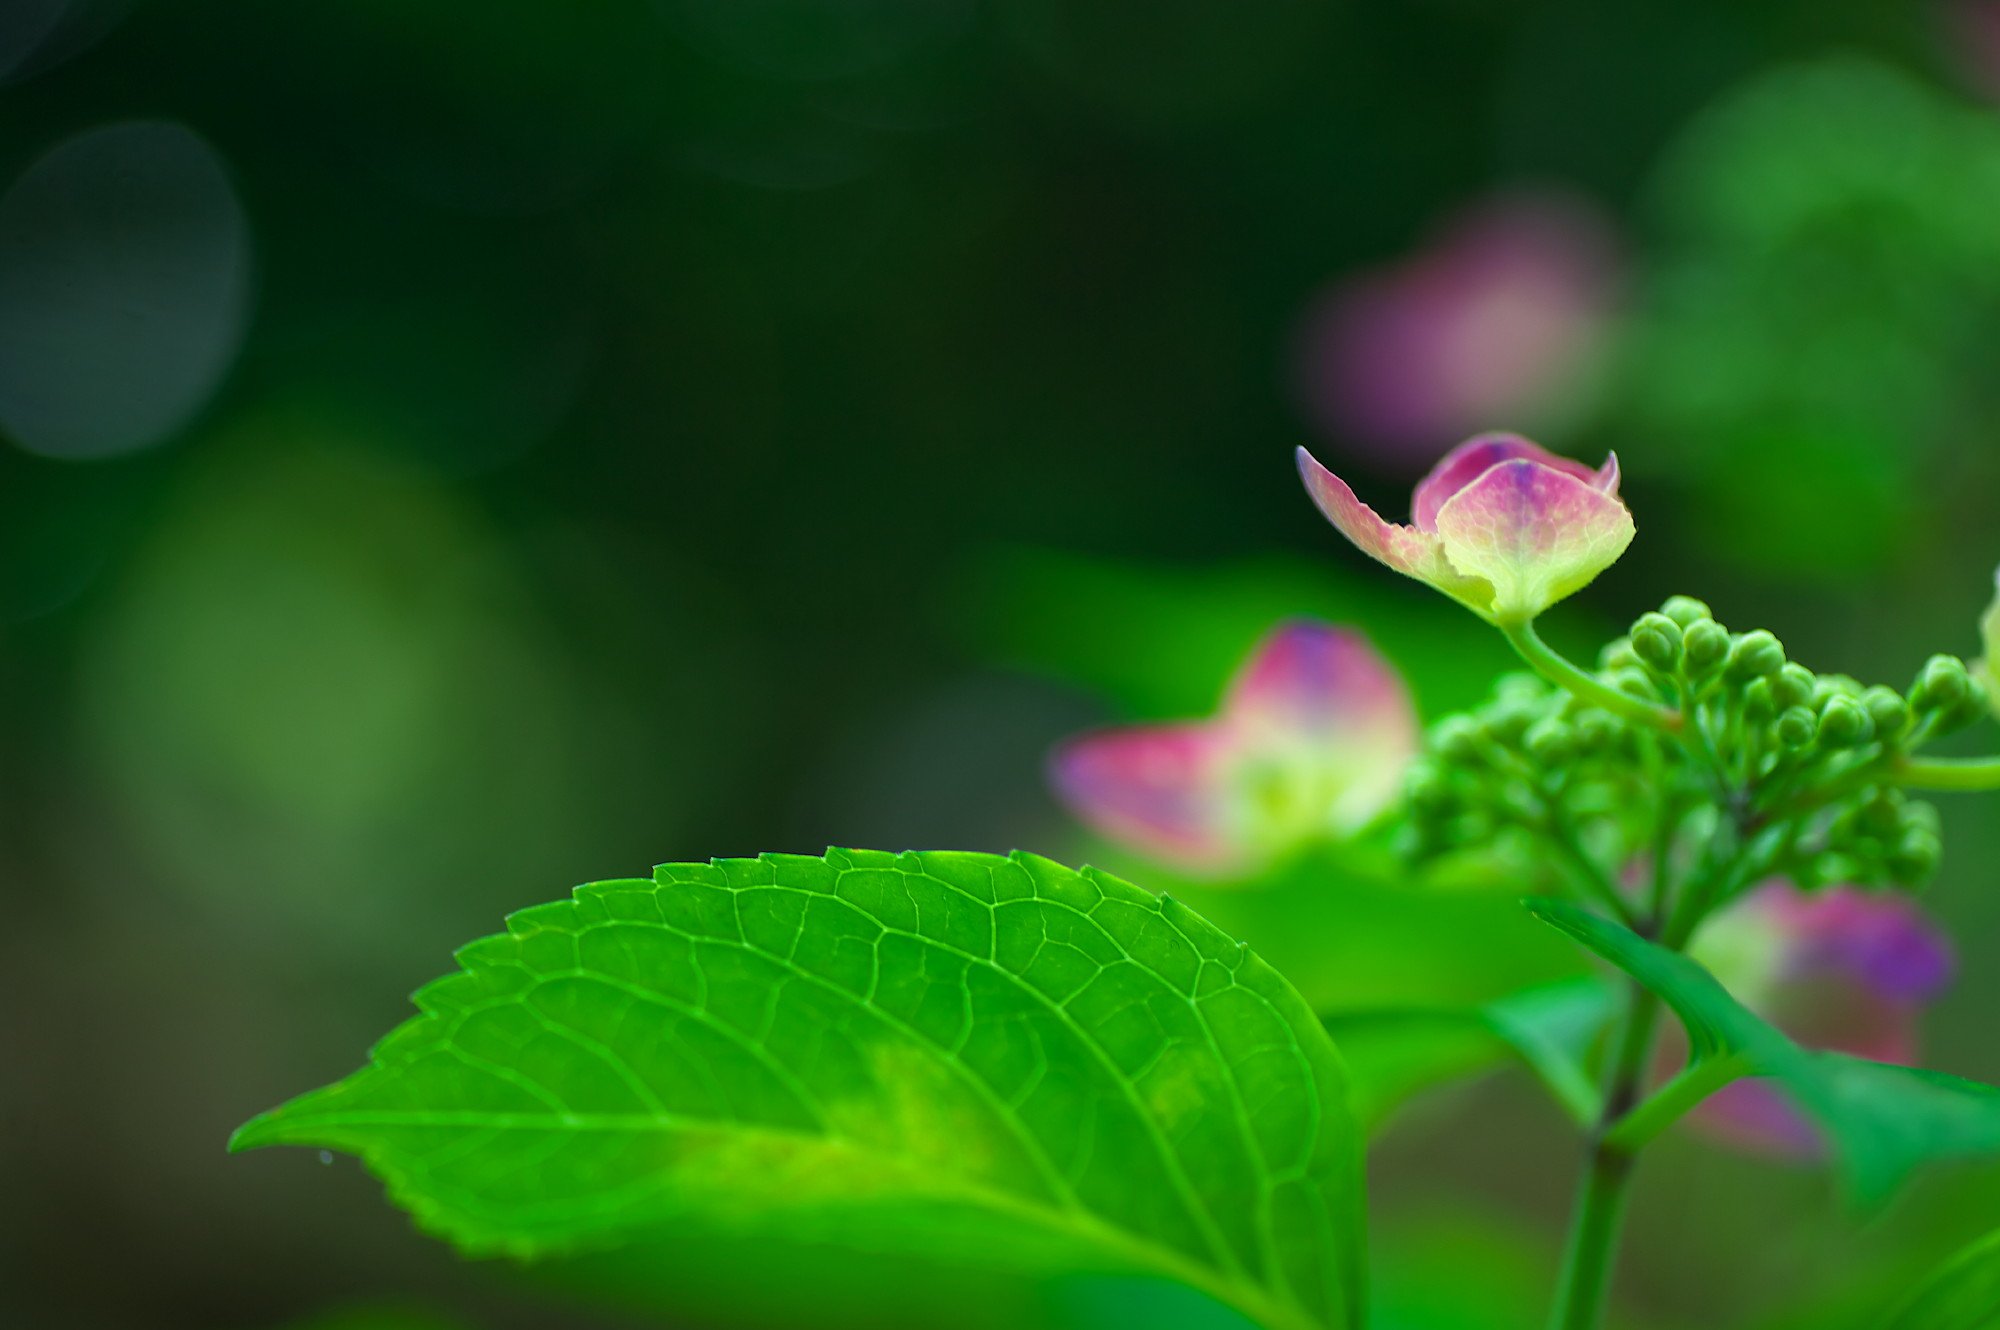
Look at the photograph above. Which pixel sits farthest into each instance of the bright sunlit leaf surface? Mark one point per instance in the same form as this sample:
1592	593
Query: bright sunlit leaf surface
976	1058
1884	1121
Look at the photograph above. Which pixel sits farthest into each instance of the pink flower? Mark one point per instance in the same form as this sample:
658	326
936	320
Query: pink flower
1313	738
1987	667
1839	968
1973	29
1501	316
1500	524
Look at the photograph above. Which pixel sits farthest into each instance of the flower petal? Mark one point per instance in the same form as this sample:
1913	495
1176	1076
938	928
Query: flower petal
1326	699
1157	788
1753	1116
1988	665
1473	458
1839	968
1607	477
1411	552
1884	943
1534	532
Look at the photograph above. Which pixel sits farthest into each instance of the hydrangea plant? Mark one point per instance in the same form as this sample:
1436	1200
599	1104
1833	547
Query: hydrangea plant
1042	1070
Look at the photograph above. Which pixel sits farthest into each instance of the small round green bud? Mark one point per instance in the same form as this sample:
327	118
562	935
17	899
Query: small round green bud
1844	723
1617	655
1550	742
1882	816
1686	611
1755	656
1823	870
1704	642
1758	702
1518	689
1831	687
1508	721
1459	739
1796	727
1922	816
1970	708
1916	857
1941	685
1634	683
1792	687
1887	709
1429	791
1595	730
1516	801
1656	640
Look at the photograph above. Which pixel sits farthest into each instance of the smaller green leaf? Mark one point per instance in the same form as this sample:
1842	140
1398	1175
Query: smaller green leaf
1884	1121
1961	1294
1394	1054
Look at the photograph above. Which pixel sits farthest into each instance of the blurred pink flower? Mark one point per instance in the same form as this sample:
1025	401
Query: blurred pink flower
1972	27
1839	968
1501	525
1314	735
1500	315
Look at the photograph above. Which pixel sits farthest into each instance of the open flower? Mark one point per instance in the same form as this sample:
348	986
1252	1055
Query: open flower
1839	968
1312	740
1501	525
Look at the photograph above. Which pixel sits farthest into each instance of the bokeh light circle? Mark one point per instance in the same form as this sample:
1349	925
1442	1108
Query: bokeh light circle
124	289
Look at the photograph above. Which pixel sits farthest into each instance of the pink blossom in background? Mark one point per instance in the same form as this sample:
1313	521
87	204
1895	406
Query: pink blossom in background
1312	740
1501	525
1841	969
1972	29
1499	316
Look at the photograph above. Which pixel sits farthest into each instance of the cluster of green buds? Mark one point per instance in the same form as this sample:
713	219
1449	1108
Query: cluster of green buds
1699	762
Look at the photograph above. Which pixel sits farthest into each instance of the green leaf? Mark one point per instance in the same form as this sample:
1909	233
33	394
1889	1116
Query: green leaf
1884	1121
1961	1294
953	1055
1394	1054
1354	932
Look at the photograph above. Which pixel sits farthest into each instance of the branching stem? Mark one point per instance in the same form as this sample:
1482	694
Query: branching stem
1559	671
1943	773
1670	1102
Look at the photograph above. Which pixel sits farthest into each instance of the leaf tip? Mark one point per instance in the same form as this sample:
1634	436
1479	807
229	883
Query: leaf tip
1542	907
258	1131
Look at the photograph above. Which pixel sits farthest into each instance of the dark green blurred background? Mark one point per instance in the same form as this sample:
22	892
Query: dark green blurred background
461	448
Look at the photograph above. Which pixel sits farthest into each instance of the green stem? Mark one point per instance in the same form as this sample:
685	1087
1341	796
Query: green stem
1559	834
1943	773
1600	1203
1588	687
1671	1102
1663	846
1593	1242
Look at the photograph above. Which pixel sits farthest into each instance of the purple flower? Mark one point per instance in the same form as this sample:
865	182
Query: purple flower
1501	525
1840	968
1312	740
1497	317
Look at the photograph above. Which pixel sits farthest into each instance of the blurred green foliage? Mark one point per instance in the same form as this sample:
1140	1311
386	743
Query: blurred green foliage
1820	316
